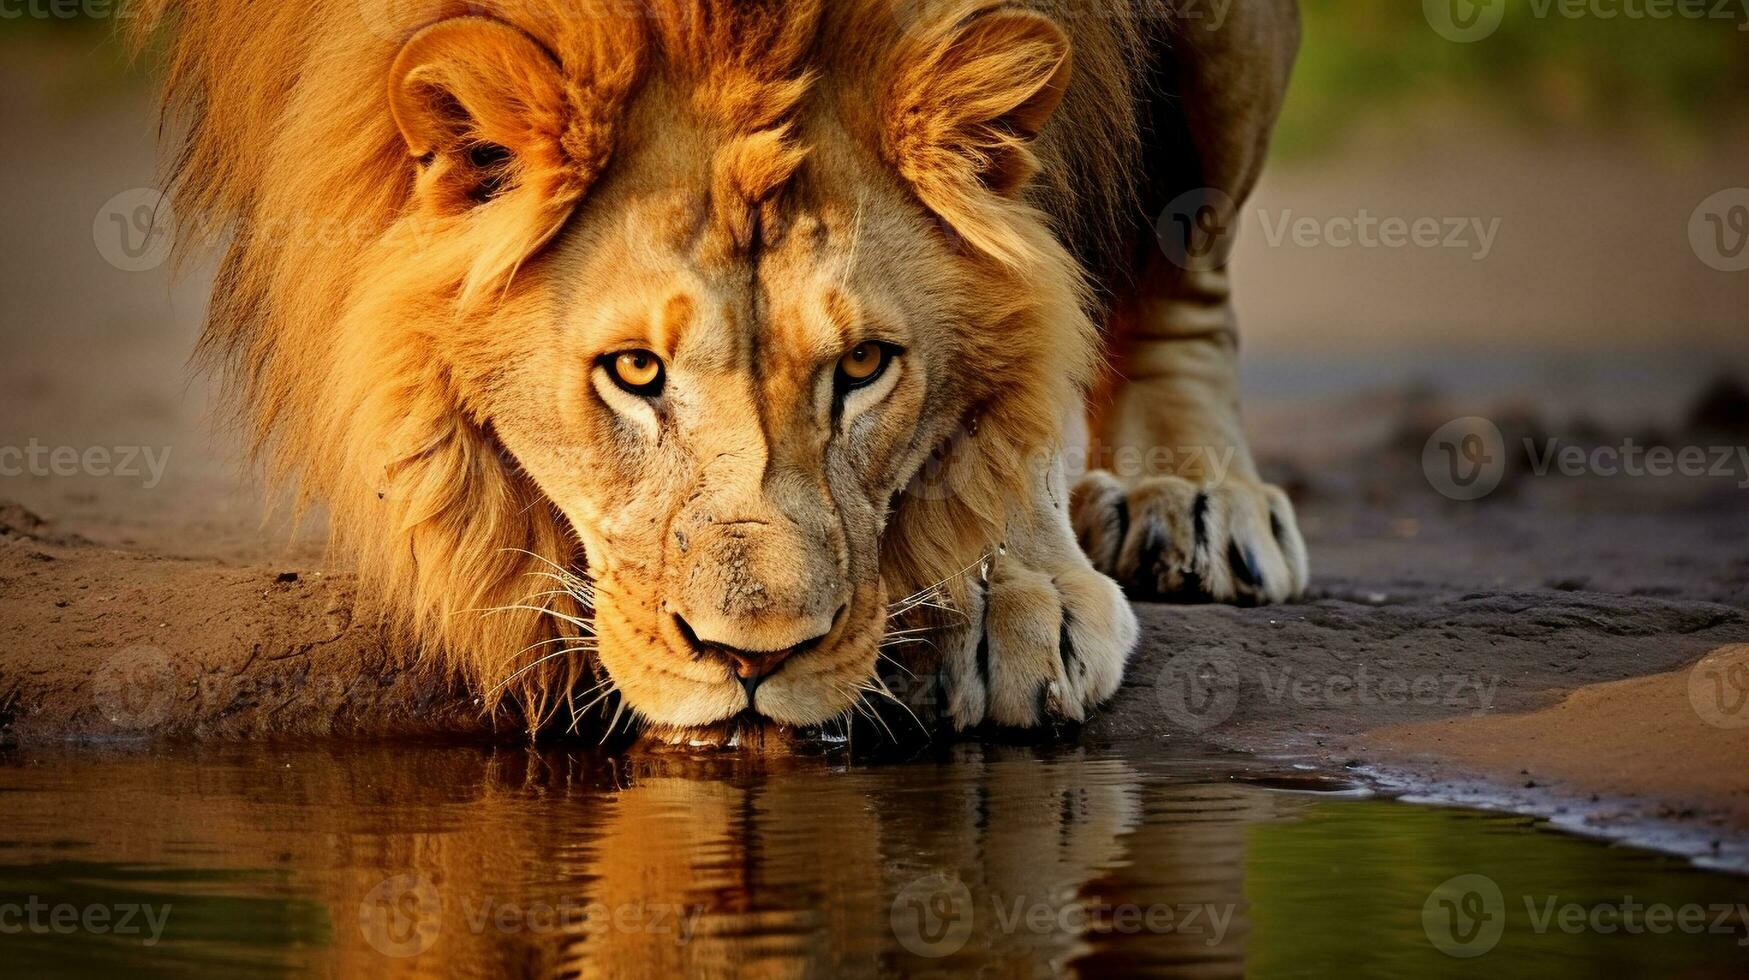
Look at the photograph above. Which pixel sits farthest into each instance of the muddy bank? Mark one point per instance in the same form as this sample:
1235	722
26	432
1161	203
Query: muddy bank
98	644
102	643
1532	702
1439	653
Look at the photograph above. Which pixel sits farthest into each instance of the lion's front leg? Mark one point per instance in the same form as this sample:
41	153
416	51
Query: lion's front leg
1174	508
1047	636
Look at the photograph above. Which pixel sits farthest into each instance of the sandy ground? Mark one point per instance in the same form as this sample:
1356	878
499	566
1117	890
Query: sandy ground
1682	736
1448	649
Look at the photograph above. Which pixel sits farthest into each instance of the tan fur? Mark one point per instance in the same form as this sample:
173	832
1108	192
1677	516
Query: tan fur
753	184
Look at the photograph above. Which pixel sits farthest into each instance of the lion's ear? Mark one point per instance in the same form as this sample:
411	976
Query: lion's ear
966	105
482	108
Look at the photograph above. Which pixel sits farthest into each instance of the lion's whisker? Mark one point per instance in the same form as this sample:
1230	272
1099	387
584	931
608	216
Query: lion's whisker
611	725
553	592
562	570
880	654
880	687
551	656
548	642
935	591
923	604
566	579
846	717
913	631
568	584
587	627
578	713
867	711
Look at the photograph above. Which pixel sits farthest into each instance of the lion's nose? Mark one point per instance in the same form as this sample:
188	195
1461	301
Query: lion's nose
751	667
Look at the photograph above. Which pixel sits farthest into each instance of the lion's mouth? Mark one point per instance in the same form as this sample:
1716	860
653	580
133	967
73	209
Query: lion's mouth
681	688
746	731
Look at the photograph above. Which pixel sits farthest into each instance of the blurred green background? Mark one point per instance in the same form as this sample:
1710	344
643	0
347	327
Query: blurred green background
1594	65
1674	80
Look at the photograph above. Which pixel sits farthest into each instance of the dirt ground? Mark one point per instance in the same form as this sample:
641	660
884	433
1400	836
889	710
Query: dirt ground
1448	650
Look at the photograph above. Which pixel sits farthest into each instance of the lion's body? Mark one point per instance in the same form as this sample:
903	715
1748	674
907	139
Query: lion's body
386	315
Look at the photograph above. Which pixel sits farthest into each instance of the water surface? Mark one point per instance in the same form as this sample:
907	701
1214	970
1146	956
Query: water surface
1000	861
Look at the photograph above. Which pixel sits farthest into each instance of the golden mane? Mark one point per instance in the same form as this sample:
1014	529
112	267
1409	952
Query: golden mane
289	143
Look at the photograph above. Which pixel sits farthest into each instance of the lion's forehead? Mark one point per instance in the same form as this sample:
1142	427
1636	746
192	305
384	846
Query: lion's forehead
798	301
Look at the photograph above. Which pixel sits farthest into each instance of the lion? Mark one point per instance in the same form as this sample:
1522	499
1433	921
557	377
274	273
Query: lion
690	359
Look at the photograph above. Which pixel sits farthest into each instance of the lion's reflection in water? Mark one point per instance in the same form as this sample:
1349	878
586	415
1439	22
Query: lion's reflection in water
1009	860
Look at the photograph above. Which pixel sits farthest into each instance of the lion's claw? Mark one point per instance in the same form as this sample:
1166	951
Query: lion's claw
1167	539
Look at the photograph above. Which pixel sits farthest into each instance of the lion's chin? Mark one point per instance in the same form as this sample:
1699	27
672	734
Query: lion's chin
744	732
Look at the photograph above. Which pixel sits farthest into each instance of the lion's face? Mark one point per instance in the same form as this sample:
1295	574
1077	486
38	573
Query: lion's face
727	432
718	294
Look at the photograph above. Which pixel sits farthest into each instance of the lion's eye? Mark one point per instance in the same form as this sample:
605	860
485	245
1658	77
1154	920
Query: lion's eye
637	371
485	156
863	365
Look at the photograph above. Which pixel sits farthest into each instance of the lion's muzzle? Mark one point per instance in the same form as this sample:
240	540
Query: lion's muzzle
754	593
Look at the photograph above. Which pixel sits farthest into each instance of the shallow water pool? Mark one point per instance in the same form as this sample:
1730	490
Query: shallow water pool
992	860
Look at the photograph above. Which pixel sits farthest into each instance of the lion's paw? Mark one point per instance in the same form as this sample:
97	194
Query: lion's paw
1170	539
1041	647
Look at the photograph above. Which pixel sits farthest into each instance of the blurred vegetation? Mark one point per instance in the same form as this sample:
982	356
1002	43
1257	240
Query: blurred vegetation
1366	64
1373	61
